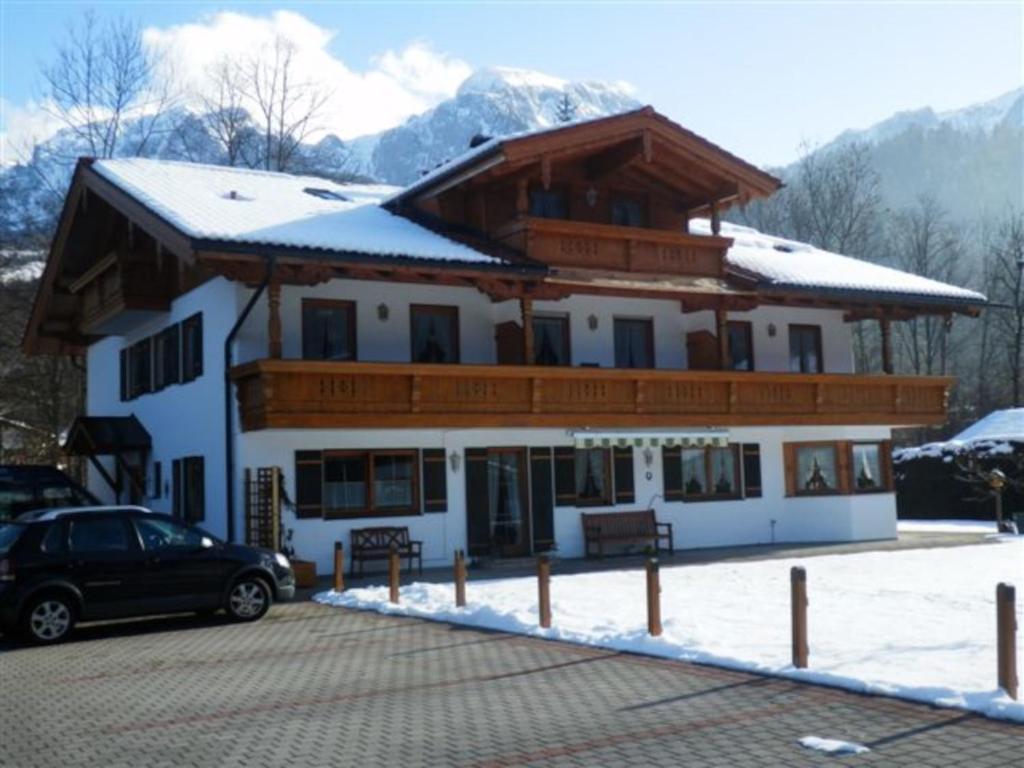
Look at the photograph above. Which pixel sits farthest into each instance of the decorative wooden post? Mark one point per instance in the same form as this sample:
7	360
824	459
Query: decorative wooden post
653	598
798	602
544	590
339	567
393	571
1006	638
716	219
526	310
722	329
885	326
274	319
460	578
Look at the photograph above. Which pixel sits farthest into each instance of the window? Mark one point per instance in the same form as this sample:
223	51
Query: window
167	357
710	472
435	333
817	469
328	329
867	465
189	499
99	534
634	343
54	539
140	368
367	483
593	477
325	194
192	348
741	345
160	534
628	211
551	340
805	349
548	203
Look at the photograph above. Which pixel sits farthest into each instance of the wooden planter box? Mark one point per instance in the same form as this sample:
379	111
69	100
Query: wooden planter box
305	573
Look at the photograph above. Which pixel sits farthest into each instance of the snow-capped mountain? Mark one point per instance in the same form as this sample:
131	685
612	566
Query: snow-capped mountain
493	101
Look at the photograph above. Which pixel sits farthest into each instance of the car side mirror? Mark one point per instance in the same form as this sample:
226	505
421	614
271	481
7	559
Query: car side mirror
206	543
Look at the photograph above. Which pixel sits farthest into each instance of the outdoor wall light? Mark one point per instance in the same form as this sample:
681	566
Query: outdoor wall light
591	196
455	459
648	456
592	322
771	330
383	311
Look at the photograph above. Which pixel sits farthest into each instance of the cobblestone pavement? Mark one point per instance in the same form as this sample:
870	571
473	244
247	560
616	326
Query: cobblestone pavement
316	686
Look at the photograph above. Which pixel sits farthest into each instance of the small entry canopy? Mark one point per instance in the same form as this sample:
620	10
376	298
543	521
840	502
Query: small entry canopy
93	436
685	438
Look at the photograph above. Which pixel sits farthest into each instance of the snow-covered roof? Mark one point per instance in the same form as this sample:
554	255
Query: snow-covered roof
209	202
790	265
993	435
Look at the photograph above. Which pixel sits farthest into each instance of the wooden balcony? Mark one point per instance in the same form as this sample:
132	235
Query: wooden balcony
304	394
619	249
117	292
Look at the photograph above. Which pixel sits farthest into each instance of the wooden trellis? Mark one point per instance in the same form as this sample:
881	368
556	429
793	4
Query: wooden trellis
263	507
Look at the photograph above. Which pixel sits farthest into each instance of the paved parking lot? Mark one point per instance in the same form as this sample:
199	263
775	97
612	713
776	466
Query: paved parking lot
315	686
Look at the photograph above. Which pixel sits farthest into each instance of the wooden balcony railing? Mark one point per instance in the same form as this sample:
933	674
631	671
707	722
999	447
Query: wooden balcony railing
620	249
302	393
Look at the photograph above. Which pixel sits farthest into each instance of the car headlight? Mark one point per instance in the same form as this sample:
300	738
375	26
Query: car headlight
282	560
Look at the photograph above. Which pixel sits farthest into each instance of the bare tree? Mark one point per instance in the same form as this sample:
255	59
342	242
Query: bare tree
287	108
103	76
1006	253
224	112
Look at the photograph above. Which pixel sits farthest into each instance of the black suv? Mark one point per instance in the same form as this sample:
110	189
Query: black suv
60	566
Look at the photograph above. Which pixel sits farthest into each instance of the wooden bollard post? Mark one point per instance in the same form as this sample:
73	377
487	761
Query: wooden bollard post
393	570
798	602
339	567
544	590
1006	638
460	578
653	598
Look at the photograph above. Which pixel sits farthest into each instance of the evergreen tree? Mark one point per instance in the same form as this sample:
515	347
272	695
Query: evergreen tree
566	111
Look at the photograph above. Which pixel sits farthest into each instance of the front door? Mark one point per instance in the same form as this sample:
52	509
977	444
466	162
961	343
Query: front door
497	502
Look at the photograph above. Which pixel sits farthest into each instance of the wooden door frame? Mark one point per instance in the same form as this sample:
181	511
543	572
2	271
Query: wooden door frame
523	452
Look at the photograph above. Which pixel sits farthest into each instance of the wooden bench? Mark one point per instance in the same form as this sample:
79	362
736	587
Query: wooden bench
624	527
376	544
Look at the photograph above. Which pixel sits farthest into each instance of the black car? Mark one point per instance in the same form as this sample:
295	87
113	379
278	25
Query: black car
61	566
24	487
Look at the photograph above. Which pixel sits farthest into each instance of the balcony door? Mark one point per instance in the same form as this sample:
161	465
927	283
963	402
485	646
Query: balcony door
497	502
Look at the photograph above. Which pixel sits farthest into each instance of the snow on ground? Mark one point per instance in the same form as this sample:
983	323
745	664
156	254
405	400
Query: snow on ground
833	746
947	526
919	624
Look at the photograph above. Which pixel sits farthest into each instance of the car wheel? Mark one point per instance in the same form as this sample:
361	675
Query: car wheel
248	599
48	618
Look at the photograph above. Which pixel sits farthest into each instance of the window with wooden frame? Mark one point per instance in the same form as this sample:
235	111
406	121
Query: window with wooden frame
628	210
838	467
192	347
741	345
551	340
434	333
189	488
167	357
634	342
590	477
549	203
710	473
140	368
349	484
805	353
328	329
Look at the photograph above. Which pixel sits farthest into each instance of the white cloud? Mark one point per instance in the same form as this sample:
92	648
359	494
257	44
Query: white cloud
397	84
23	126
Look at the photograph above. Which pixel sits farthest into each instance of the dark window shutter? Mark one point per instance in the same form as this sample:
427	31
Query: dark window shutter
177	503
124	375
625	492
565	477
478	522
435	481
672	472
158	480
197	348
308	484
885	458
542	501
751	470
196	477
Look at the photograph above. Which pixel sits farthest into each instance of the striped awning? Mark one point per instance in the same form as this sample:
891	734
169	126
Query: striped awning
689	438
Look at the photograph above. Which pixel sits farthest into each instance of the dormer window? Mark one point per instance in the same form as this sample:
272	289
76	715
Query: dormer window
325	194
548	203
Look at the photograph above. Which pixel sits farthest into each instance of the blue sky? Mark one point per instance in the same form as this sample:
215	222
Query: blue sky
758	78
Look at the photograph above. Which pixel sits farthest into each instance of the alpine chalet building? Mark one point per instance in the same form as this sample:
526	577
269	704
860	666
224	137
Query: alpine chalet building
551	324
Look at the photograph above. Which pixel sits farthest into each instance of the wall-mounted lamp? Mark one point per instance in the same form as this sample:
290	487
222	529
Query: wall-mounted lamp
383	311
455	459
772	330
648	456
592	322
591	196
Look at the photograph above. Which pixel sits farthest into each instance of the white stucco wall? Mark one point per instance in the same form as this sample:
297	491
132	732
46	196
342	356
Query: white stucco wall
696	524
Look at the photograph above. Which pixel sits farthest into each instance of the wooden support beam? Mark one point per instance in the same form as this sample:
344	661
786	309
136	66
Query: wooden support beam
618	157
526	311
716	219
545	172
886	327
722	329
522	198
274	319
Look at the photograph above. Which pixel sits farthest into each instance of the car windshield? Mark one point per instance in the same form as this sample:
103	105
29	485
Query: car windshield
9	534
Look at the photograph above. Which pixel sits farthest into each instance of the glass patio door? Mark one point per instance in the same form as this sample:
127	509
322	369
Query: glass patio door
507	502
